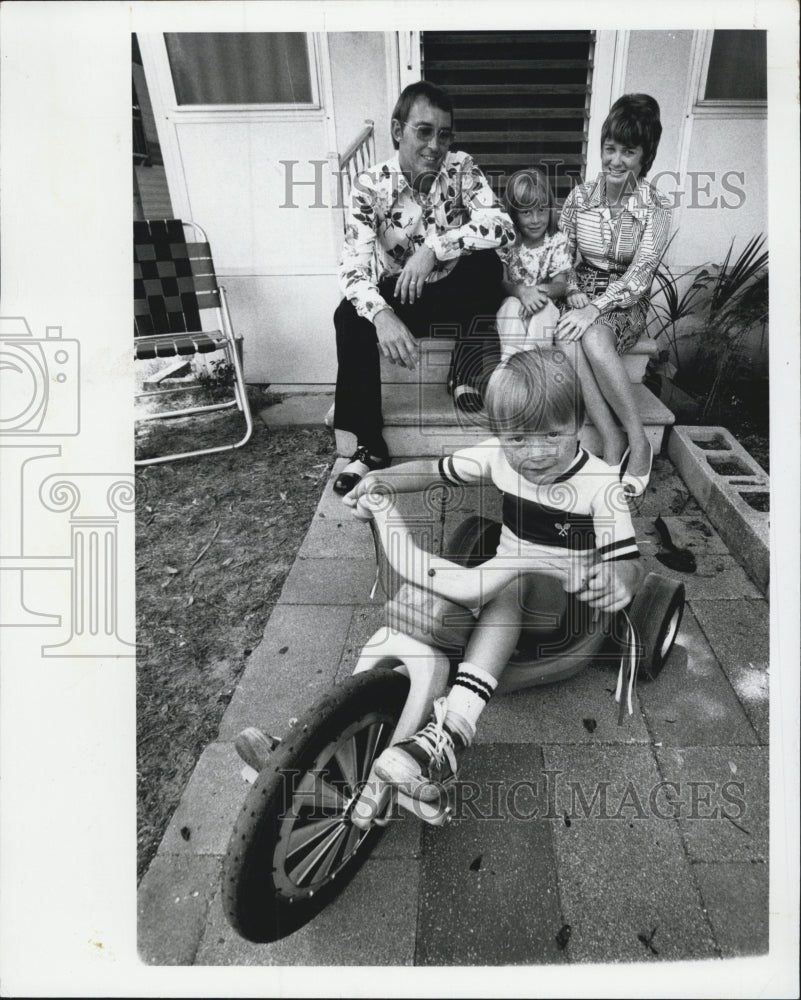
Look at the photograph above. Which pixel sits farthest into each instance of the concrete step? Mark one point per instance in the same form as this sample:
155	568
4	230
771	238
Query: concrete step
435	359
421	420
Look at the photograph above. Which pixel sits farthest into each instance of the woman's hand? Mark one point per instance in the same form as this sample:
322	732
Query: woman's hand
411	281
532	298
575	323
577	300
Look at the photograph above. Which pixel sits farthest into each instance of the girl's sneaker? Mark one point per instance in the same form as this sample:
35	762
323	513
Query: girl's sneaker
424	764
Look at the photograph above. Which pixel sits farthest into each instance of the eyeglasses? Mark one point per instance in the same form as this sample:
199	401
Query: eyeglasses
425	133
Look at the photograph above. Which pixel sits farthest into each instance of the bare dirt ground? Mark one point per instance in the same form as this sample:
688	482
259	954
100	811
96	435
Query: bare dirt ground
216	537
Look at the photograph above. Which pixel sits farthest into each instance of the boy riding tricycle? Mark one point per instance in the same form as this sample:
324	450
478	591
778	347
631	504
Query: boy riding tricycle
529	601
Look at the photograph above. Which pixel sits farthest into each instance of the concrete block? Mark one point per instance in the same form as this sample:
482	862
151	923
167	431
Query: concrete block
721	474
372	922
290	669
736	899
172	906
624	879
722	800
489	893
739	635
691	702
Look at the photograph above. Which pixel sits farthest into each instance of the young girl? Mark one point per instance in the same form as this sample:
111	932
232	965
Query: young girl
537	266
619	224
560	517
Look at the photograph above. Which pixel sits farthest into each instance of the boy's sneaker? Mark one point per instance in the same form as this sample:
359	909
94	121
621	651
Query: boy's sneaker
422	765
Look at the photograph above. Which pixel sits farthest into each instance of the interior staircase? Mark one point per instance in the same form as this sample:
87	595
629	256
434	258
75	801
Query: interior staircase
420	419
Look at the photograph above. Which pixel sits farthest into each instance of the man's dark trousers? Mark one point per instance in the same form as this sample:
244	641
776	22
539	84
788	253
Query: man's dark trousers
462	305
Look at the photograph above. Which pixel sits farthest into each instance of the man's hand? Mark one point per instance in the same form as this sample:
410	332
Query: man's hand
608	586
412	279
532	298
394	339
577	300
575	323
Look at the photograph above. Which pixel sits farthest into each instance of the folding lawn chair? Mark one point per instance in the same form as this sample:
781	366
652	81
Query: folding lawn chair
174	281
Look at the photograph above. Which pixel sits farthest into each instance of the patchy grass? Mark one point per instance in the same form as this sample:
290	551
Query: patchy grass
216	537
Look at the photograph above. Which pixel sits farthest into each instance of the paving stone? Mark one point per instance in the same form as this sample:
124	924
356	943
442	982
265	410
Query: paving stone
371	923
306	410
403	838
728	782
211	801
329	581
581	709
691	703
690	531
172	905
290	669
364	623
489	893
665	494
623	878
736	900
717	577
740	638
345	538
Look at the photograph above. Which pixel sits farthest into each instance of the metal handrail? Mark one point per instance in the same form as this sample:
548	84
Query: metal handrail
357	157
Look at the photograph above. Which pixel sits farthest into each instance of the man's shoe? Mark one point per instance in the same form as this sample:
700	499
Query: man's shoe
360	464
423	765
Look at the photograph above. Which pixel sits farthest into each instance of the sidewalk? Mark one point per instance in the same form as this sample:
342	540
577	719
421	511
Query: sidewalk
500	885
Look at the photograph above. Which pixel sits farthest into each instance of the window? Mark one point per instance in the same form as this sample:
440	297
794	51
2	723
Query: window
231	68
734	73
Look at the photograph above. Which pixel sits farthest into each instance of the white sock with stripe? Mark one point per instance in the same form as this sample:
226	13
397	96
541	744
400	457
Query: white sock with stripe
468	698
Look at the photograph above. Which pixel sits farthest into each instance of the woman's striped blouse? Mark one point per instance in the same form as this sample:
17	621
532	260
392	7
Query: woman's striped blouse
630	246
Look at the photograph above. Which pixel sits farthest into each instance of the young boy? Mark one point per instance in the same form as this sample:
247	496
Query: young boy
564	514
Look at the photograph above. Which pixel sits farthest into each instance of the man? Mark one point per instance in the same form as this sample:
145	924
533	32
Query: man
427	222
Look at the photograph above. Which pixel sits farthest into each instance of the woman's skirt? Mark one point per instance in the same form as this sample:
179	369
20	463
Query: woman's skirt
626	324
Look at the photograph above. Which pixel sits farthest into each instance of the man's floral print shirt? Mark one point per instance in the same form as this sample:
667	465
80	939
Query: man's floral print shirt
388	221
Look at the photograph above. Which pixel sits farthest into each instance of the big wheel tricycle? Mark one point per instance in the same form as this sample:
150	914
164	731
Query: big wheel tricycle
316	808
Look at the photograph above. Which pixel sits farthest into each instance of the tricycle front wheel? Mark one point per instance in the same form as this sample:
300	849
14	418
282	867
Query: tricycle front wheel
294	845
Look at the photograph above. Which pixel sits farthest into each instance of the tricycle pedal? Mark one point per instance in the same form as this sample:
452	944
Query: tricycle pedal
254	747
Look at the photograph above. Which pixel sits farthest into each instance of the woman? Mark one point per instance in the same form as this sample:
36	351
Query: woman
619	224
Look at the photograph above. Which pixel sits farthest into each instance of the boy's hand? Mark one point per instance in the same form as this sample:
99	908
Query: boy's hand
608	586
577	300
364	485
532	299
